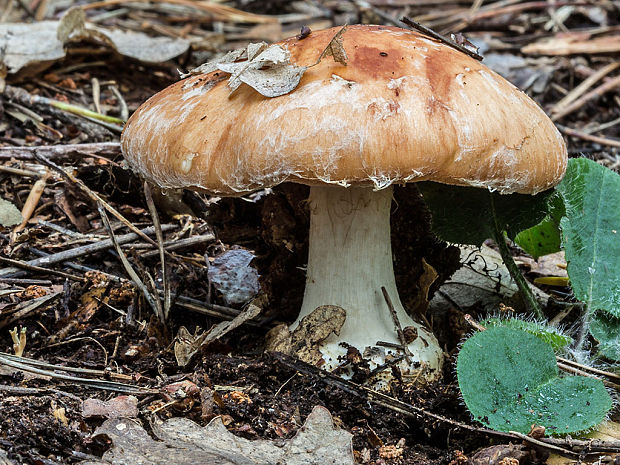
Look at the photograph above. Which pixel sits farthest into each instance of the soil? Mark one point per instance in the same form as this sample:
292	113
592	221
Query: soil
101	324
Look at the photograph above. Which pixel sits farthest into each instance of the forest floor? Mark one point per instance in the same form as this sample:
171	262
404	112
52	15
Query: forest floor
93	347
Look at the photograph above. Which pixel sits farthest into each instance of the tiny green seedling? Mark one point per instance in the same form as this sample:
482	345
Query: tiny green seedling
510	381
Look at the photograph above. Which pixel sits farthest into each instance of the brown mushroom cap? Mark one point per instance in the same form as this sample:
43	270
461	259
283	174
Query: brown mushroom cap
405	108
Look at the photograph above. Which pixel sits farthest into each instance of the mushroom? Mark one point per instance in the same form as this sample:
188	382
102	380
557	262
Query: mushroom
404	108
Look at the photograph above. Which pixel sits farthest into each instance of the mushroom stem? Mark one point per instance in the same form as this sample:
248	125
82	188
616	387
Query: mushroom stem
349	261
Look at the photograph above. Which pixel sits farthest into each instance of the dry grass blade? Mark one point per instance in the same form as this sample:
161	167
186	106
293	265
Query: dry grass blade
594	93
153	301
220	12
160	246
578	91
93	196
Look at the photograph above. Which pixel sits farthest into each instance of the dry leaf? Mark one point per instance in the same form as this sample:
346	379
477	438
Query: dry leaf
483	281
118	407
9	214
429	276
183	442
37	45
267	70
187	344
231	274
335	48
314	329
305	340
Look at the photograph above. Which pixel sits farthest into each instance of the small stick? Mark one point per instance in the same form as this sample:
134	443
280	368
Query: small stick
606	374
589	137
389	345
95	383
385	365
31	202
40	269
399	329
82	250
439	37
102	150
179	244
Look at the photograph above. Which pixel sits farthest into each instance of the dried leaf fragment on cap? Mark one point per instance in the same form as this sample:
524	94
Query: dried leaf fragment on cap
267	69
335	48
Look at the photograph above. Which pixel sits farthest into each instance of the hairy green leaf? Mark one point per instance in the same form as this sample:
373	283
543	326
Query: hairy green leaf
591	233
464	215
543	331
544	238
509	381
606	330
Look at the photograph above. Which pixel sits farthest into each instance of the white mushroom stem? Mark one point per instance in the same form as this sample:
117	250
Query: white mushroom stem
350	259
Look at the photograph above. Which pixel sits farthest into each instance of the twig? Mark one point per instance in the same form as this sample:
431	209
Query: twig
607	374
95	383
153	301
29	308
439	37
589	137
40	269
399	329
380	368
577	371
103	150
83	250
179	244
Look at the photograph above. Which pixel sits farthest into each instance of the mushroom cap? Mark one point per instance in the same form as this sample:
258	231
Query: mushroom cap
405	108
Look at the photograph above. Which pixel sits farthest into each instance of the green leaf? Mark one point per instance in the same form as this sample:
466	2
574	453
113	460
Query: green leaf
591	233
509	381
544	238
463	215
606	330
542	331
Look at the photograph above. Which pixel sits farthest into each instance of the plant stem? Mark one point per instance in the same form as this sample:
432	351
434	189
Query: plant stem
526	293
